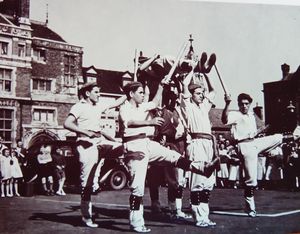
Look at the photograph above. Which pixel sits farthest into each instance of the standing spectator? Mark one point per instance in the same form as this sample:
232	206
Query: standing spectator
21	155
45	169
261	170
2	146
273	171
16	172
291	166
6	179
222	174
234	167
59	169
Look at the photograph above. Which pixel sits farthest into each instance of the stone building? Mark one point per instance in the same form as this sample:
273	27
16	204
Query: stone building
39	76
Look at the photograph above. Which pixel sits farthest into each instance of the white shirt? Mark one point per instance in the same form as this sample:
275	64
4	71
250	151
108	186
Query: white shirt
129	112
243	125
88	115
196	116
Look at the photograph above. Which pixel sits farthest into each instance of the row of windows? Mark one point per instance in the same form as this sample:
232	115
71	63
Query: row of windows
39	54
6	117
6	121
4	49
37	84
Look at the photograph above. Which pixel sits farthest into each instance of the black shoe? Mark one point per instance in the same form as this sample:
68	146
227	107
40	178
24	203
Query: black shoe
210	167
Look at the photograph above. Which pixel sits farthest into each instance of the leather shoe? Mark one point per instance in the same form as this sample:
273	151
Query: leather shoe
89	223
141	229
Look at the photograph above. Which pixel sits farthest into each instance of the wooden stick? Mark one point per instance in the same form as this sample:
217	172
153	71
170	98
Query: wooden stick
135	66
222	83
169	76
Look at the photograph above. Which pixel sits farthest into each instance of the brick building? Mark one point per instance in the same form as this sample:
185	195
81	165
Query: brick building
39	76
282	101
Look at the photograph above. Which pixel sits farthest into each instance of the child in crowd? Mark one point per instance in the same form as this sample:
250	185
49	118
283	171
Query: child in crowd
16	172
6	178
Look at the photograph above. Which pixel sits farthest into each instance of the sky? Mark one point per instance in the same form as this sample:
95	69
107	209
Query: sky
251	40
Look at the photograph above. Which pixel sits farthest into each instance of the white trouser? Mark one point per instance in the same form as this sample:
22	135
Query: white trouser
89	158
90	165
201	150
234	172
261	168
250	151
138	169
200	212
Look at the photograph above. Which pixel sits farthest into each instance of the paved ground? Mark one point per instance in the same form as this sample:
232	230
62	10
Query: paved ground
279	212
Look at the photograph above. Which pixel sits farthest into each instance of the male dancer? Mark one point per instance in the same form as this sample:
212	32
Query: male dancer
244	131
135	124
84	120
196	104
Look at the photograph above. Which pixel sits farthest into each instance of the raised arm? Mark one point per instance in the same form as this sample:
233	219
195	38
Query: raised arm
117	102
224	118
148	63
186	82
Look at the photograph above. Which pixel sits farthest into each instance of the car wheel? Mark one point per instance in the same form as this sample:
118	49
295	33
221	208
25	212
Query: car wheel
118	180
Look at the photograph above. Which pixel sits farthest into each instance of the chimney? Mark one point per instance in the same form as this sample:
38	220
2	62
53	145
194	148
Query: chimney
24	9
258	110
285	68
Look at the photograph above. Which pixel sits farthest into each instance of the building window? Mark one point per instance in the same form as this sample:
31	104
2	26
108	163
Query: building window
6	120
69	71
41	85
5	80
21	50
44	115
39	55
3	48
91	79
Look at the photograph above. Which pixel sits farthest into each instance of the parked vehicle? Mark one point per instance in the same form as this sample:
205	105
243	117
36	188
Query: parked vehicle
114	173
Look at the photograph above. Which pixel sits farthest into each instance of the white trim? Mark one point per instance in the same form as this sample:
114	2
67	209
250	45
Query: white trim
259	215
36	107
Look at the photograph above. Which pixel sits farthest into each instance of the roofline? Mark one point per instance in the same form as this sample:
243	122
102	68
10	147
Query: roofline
61	42
92	66
6	19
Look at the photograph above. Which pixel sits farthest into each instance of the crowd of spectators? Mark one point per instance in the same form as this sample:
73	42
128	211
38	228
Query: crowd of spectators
278	168
20	168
